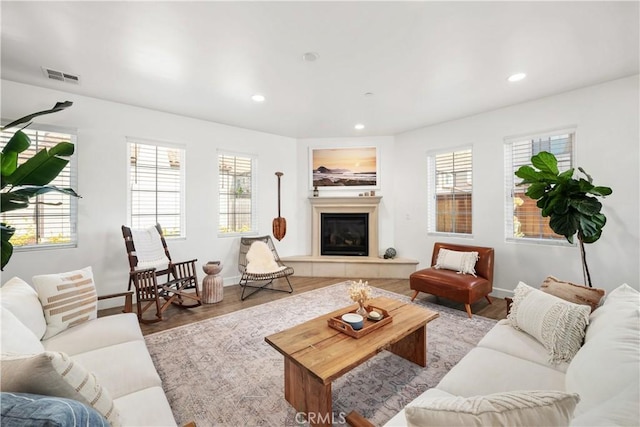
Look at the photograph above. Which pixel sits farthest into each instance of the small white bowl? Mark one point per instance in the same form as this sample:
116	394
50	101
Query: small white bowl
355	320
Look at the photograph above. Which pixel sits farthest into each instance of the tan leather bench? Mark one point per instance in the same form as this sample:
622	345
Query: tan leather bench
464	288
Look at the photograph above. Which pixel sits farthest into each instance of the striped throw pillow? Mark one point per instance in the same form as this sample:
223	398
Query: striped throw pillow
54	373
67	299
515	408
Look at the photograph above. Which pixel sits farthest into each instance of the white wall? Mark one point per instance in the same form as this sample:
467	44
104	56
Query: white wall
606	117
607	120
102	159
385	181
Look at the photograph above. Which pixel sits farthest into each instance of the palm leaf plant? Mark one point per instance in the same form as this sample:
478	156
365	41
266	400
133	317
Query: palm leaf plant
571	204
20	183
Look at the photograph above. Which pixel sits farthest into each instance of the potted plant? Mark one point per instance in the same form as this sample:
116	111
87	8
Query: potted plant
21	182
571	204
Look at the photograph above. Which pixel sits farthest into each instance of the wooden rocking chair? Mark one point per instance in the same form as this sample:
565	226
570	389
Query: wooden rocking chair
267	277
179	282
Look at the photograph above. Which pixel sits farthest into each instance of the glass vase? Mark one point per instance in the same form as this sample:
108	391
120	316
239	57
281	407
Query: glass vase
361	310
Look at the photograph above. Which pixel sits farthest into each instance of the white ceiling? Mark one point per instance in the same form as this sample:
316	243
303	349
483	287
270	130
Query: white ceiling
425	62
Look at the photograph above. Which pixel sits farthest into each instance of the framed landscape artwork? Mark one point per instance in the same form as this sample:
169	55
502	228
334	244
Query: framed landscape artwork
344	168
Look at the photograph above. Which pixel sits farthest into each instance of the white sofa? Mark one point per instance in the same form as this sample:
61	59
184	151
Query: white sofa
111	347
605	372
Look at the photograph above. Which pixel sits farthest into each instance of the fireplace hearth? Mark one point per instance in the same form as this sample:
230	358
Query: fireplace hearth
344	234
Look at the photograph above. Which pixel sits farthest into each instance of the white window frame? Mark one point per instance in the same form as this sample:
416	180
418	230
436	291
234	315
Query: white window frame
73	183
432	193
183	154
510	181
254	194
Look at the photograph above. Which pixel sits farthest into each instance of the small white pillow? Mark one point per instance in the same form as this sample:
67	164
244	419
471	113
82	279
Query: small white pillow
55	374
516	408
557	324
67	299
462	262
22	300
15	337
260	259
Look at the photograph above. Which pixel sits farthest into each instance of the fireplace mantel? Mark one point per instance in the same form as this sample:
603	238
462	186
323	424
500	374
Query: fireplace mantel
364	204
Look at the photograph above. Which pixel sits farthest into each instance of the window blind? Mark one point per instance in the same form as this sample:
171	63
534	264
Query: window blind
156	187
450	191
51	218
523	217
236	193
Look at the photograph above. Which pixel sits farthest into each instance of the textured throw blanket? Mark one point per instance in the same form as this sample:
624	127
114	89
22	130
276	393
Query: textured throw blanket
149	249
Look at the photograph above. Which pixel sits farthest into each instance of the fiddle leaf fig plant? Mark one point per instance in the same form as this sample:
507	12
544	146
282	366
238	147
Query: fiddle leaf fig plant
571	204
20	183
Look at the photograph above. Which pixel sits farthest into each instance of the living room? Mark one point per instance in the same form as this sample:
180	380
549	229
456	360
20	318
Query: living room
599	101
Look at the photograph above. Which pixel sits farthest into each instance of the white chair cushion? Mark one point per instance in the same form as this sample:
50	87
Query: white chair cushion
135	409
16	338
621	409
462	262
99	333
122	378
558	324
512	408
260	259
476	374
57	374
506	339
67	299
22	300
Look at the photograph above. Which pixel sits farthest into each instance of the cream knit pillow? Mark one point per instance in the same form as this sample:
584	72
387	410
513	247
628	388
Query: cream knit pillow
55	374
462	262
516	408
67	299
557	324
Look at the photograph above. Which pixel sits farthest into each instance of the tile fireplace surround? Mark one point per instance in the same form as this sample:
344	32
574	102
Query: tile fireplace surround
355	267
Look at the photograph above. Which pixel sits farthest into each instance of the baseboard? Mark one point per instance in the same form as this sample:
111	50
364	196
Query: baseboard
501	293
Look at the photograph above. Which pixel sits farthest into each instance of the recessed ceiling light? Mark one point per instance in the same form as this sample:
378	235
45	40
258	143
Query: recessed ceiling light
359	126
310	56
516	77
258	98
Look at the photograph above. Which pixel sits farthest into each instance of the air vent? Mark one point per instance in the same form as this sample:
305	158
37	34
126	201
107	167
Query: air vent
61	76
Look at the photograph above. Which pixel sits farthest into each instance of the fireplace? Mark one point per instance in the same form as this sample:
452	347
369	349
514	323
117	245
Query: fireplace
345	205
345	234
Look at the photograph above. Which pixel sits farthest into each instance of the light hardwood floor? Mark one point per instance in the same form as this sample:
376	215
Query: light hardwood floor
175	316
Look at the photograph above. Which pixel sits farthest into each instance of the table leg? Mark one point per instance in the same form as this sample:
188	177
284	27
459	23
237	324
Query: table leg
307	394
413	347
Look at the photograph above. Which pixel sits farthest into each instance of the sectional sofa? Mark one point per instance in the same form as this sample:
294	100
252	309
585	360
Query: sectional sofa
125	386
508	378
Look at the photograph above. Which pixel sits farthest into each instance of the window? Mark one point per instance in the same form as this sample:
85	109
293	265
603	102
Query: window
51	218
450	191
156	187
524	221
236	190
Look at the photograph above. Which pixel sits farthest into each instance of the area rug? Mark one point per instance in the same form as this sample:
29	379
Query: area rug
221	371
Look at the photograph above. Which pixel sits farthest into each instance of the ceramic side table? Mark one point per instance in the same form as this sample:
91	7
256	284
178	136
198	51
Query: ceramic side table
212	289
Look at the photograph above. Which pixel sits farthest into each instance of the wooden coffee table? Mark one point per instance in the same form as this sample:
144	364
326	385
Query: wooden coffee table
316	354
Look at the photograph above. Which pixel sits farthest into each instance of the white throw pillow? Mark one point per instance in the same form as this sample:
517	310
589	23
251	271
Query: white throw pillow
22	300
67	299
15	337
55	374
557	324
462	262
260	259
516	408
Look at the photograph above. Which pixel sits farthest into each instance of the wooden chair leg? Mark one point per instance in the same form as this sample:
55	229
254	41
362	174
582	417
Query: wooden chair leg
415	294
468	308
488	299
